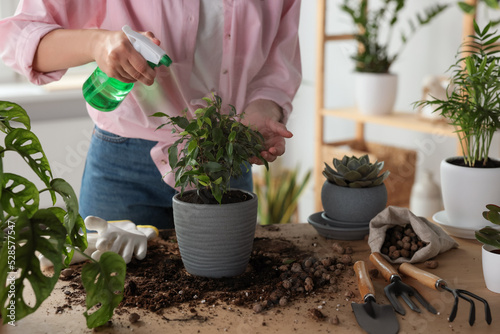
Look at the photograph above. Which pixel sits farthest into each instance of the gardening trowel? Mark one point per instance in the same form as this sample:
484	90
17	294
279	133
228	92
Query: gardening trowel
373	318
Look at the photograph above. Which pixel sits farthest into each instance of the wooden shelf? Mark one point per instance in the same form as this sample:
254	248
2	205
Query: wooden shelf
402	120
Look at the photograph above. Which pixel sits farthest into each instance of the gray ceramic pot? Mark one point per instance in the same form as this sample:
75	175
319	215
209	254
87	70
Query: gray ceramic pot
215	240
353	204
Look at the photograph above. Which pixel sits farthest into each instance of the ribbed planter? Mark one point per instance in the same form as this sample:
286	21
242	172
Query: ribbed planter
215	240
353	204
466	192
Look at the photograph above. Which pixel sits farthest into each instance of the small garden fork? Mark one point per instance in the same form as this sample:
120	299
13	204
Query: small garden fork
397	288
434	282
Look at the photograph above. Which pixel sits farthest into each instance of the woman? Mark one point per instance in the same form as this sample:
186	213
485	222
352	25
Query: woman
245	51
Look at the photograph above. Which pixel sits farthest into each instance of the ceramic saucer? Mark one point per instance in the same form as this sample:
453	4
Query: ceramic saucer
337	232
338	223
462	232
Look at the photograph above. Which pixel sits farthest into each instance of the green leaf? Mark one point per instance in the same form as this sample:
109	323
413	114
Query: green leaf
12	112
232	136
41	233
469	9
72	219
159	114
172	156
212	166
28	146
104	283
19	194
218	136
492	3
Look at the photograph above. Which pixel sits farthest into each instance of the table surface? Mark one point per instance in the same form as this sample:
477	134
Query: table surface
460	267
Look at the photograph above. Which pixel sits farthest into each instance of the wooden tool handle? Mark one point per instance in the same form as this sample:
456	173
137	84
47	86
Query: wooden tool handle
420	275
383	266
365	284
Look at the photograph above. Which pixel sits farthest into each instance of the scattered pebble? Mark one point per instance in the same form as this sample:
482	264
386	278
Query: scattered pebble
337	248
316	314
257	308
431	264
67	273
133	318
334	320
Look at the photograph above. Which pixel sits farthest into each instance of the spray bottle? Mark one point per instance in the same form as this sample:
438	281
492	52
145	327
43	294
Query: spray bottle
105	93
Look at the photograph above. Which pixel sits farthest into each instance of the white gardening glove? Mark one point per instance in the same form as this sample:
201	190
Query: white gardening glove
122	237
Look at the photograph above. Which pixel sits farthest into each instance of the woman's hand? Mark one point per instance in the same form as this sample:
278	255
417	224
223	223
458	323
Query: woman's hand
265	116
116	56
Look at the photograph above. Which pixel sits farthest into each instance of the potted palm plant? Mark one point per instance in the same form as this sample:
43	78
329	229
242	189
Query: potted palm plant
490	237
376	86
27	230
472	106
215	225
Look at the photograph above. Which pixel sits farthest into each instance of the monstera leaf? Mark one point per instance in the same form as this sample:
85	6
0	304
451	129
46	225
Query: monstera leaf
26	143
104	283
19	264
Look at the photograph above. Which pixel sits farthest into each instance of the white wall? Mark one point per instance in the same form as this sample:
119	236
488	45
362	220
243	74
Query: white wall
430	52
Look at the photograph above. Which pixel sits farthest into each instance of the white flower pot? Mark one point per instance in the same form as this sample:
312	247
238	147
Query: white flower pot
375	92
491	268
466	192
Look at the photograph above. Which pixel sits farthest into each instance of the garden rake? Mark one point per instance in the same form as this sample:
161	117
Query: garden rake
434	282
398	288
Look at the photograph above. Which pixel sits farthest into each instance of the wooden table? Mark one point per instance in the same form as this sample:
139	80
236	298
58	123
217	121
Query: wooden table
460	267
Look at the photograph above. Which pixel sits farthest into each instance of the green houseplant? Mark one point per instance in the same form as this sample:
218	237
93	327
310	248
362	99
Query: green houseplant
278	195
490	237
374	54
27	230
351	184
472	107
376	86
215	225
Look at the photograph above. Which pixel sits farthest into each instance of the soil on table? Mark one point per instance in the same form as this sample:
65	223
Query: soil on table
278	273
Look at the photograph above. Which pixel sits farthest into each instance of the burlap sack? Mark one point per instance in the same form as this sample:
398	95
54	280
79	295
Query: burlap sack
438	241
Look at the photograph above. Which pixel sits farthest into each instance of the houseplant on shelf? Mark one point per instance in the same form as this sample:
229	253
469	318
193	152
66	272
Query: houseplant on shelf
215	225
472	106
354	190
490	237
376	86
27	230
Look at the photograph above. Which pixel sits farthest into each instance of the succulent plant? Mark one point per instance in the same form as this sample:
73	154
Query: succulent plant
489	235
355	172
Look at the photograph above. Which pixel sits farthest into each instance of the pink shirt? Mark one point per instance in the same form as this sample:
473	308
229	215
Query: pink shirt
260	56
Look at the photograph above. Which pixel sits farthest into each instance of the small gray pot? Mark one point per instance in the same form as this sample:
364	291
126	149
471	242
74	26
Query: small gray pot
215	240
353	204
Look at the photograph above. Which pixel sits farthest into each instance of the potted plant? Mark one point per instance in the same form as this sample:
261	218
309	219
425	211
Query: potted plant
215	225
354	191
376	86
472	106
278	195
490	237
27	230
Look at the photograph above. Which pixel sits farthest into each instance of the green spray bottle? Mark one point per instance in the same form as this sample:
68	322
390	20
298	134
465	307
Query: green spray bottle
105	93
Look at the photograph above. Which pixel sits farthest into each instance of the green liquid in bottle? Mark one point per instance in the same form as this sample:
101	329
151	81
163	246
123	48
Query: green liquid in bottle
104	93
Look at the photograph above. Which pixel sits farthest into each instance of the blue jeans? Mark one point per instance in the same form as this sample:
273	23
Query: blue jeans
120	181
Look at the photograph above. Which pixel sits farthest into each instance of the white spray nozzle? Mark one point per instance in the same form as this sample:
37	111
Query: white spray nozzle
149	50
